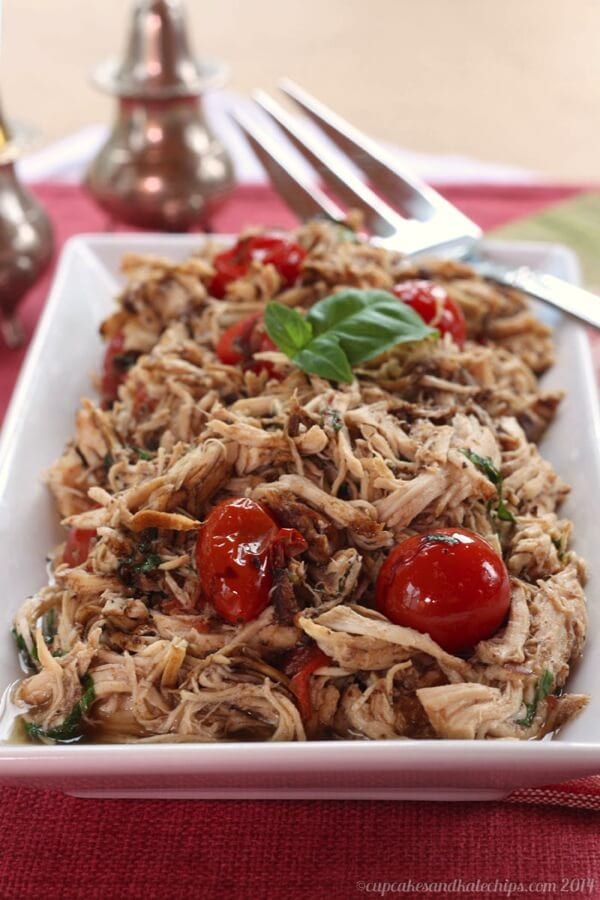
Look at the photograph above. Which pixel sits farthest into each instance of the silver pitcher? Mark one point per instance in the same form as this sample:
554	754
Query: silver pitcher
26	240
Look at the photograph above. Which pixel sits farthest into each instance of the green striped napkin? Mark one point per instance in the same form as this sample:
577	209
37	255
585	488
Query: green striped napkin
575	222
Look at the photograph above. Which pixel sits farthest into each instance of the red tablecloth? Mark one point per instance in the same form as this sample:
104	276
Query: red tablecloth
59	847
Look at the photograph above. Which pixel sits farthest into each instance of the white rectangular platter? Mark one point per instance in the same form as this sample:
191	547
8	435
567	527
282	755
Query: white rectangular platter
65	351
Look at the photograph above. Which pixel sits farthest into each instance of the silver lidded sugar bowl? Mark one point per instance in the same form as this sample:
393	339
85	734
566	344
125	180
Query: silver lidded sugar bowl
26	240
161	167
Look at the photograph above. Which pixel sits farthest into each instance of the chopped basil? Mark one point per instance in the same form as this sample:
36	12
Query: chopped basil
143	454
561	553
344	330
142	561
49	626
440	539
149	564
543	688
147	537
485	465
503	512
334	418
28	657
70	730
124	361
344	491
487	468
108	462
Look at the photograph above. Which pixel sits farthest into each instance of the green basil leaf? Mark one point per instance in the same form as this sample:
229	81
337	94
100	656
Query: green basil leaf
28	658
343	330
151	562
485	466
70	729
367	323
142	453
289	330
543	688
503	512
325	357
332	418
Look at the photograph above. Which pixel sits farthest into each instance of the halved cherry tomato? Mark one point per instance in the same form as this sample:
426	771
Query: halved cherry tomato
286	256
436	308
300	665
229	266
449	584
232	264
239	343
237	548
116	363
77	547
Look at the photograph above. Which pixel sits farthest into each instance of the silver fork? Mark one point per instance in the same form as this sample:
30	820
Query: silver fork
428	222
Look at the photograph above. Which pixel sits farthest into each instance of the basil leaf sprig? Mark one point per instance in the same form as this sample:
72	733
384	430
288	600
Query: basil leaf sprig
487	468
344	330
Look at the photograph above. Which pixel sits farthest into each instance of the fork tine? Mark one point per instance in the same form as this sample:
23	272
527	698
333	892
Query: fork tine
380	217
303	197
412	195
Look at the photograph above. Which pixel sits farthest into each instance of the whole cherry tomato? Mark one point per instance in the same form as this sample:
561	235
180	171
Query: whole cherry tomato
232	264
237	549
242	340
116	363
449	584
300	665
436	308
77	547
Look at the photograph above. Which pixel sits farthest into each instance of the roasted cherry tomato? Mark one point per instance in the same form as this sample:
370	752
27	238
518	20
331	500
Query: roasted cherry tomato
435	307
449	584
237	548
77	547
300	665
229	266
242	340
116	363
286	256
232	264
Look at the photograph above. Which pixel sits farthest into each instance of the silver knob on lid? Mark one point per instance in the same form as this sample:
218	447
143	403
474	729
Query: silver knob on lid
158	62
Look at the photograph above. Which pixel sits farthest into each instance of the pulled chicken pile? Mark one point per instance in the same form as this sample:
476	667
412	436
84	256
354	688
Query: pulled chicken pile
126	642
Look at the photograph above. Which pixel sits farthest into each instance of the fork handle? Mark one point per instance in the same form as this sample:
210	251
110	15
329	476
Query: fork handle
571	299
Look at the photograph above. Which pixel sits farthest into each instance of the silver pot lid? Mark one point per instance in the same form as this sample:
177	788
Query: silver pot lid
158	62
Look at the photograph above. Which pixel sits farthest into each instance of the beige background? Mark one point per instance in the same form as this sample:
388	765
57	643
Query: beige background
516	81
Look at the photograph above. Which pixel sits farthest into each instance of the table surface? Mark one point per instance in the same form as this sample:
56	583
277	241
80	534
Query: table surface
513	82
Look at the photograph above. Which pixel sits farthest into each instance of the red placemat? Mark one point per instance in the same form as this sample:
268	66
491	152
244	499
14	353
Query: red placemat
60	847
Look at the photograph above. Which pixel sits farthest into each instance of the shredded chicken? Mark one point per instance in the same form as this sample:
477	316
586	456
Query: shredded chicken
124	644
